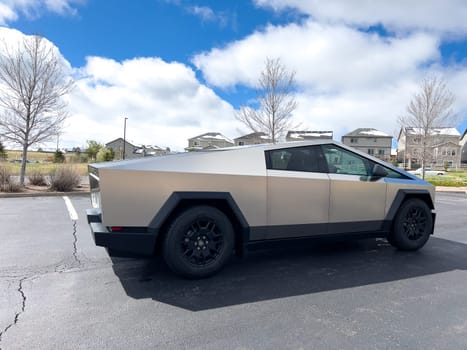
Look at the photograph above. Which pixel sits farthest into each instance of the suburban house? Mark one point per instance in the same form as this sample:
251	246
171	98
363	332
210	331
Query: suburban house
463	145
117	146
133	151
371	141
150	150
255	138
308	135
443	147
209	140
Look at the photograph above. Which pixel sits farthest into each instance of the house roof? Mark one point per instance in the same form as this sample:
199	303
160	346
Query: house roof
212	136
367	132
301	135
118	139
434	131
254	135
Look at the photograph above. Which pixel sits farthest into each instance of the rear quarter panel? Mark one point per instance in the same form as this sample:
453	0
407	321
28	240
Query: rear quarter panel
133	197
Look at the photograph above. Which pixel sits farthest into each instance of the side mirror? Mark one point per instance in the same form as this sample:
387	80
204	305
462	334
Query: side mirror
378	172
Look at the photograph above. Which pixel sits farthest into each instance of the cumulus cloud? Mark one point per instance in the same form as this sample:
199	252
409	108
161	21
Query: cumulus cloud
328	57
11	9
446	16
347	78
164	102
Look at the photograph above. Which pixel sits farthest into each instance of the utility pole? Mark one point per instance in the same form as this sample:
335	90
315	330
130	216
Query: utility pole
124	137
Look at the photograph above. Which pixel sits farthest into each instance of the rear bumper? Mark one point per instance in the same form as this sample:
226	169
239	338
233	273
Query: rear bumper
126	242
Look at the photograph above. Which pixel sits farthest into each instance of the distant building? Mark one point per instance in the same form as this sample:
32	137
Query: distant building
307	135
150	151
209	140
255	138
371	141
134	151
463	145
117	146
443	147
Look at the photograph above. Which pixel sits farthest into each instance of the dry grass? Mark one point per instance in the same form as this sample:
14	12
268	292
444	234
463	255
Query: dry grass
43	168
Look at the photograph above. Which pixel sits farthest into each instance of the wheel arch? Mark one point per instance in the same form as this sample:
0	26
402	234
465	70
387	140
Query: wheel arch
179	201
403	195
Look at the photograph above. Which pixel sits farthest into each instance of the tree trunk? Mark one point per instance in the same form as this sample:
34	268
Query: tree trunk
23	164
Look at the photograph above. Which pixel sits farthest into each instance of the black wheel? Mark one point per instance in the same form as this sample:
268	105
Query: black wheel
413	225
198	242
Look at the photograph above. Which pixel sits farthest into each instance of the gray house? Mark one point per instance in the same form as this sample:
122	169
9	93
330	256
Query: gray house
255	138
463	145
150	150
371	141
133	151
117	146
308	135
209	140
443	147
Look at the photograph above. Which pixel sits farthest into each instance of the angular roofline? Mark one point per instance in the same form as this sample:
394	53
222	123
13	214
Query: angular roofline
120	138
251	135
357	133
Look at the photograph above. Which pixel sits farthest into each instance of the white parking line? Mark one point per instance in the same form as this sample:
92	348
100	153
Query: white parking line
71	209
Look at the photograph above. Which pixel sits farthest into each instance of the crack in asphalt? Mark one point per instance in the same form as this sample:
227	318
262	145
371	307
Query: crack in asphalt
58	268
75	243
20	312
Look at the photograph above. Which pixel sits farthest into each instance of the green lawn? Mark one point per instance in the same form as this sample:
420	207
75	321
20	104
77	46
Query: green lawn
452	179
44	163
43	168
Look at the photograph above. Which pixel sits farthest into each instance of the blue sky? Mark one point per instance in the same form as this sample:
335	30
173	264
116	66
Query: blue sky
180	68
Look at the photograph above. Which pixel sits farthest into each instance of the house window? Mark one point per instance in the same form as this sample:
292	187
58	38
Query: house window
241	143
353	140
416	140
371	151
381	152
453	152
195	143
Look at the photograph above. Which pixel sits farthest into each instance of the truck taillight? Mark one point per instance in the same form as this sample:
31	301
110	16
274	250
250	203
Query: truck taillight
116	229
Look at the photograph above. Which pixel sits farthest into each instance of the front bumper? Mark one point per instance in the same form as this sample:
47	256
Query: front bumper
125	242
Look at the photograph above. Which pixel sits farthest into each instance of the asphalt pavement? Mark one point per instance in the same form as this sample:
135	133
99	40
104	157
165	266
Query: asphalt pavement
60	291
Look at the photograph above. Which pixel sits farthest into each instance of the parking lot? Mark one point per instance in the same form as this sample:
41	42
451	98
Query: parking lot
59	291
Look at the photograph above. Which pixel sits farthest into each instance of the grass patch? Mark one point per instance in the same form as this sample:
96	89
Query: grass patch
451	179
46	156
43	168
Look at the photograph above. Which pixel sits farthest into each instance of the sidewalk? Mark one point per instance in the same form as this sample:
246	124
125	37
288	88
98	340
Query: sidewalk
451	189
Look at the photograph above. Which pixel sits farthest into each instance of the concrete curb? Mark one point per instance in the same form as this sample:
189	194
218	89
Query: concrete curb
447	189
44	194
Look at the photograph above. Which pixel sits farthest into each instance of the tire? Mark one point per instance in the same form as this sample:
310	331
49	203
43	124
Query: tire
412	226
198	242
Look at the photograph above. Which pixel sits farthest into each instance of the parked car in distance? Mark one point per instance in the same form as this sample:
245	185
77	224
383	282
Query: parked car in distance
428	171
199	208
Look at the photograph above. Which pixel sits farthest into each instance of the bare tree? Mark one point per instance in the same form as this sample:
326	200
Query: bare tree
32	84
275	101
429	108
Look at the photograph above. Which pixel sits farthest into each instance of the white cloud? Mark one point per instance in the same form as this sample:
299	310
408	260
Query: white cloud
164	102
11	9
347	78
434	15
328	57
206	13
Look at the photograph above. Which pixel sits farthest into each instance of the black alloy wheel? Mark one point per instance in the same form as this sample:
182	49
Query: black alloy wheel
413	225
198	242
